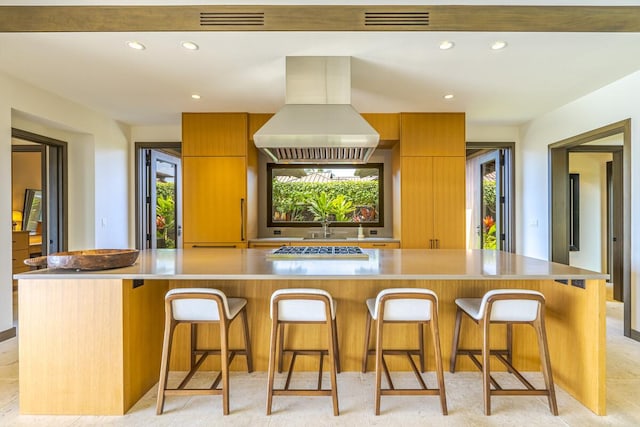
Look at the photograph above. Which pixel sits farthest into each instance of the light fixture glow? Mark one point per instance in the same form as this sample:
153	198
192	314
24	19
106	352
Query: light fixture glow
497	45
195	96
447	44
135	45
448	96
190	45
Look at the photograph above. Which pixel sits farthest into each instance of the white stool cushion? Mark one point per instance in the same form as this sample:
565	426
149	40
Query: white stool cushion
201	309
511	310
301	309
402	309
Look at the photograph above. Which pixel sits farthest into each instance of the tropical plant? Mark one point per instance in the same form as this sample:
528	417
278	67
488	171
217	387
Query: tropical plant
341	208
320	206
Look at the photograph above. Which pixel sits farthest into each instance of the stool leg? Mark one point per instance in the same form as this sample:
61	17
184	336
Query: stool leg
367	335
333	340
224	365
194	344
510	344
456	340
378	363
164	365
336	347
272	362
423	366
486	372
247	340
435	333
281	329
538	324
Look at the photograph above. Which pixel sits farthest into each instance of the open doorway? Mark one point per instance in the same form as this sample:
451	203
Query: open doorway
489	193
39	190
606	149
158	196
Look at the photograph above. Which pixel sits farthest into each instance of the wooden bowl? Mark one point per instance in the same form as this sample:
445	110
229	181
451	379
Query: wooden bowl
90	259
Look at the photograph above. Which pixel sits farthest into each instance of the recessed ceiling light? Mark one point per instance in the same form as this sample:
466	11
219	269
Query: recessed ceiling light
448	96
195	96
497	45
190	45
135	45
447	44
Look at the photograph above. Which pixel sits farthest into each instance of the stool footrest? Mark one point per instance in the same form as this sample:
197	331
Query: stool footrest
301	391
191	391
410	391
517	391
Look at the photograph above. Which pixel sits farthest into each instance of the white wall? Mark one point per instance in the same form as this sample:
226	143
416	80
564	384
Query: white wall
592	168
615	102
98	172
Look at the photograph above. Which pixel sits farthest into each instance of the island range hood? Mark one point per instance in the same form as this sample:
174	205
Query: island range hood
317	123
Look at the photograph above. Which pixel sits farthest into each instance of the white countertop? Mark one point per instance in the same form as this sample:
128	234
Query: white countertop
382	264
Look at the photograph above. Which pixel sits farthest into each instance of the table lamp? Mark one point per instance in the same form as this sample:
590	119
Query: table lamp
16	220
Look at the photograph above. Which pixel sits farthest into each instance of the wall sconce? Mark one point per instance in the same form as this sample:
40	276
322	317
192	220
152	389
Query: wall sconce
16	220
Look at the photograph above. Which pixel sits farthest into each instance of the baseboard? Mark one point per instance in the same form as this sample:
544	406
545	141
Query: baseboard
635	335
11	332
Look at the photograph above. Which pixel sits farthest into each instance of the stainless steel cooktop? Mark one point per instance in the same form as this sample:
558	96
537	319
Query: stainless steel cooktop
319	252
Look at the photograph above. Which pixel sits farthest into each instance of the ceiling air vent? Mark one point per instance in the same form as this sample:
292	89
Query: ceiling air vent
399	19
231	19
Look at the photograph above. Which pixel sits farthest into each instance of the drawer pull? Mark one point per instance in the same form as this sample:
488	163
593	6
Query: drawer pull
212	246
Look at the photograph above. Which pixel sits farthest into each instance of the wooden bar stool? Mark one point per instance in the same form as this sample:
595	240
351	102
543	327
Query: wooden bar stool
507	306
201	305
404	305
303	306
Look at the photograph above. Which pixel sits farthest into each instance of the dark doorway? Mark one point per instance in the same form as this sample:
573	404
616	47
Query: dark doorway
489	176
50	234
619	205
158	196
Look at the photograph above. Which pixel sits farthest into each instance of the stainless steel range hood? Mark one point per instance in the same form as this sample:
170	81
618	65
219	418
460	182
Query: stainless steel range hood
317	124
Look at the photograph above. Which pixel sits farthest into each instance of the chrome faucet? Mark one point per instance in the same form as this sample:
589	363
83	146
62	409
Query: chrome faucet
325	228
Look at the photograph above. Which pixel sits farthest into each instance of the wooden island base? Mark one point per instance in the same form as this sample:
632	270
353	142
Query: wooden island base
93	345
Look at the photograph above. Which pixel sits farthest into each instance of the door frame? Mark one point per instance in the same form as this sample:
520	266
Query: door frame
509	180
53	167
559	198
174	146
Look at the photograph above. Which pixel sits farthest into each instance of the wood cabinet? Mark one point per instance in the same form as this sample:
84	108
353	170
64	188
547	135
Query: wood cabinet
19	251
432	180
215	199
433	202
219	178
256	121
214	134
432	134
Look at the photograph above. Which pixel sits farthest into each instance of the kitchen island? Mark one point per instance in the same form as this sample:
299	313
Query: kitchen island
90	342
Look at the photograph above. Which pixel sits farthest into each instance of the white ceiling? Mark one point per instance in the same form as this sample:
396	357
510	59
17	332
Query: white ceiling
391	71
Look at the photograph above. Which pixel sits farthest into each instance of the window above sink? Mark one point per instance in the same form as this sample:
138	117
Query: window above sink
306	195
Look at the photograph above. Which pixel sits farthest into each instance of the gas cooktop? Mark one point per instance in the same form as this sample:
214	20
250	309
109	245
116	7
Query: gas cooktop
319	252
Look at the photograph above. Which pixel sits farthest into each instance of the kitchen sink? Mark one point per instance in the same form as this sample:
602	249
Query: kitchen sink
324	238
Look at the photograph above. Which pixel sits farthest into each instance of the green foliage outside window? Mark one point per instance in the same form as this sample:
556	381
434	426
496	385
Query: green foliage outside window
165	215
341	201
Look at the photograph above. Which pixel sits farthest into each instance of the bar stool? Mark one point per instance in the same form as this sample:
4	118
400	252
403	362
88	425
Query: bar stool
201	305
508	306
404	305
303	306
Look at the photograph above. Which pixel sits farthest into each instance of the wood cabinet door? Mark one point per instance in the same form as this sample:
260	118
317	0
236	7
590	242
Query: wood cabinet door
416	189
214	199
214	134
449	202
432	134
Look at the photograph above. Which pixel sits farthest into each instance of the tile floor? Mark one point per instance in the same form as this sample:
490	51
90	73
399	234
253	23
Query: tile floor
248	400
